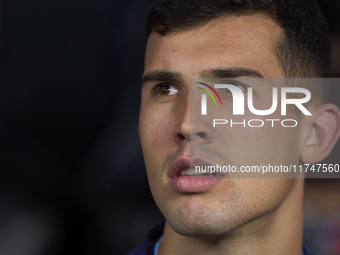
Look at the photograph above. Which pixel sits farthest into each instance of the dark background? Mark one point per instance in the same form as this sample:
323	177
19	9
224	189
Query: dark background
72	174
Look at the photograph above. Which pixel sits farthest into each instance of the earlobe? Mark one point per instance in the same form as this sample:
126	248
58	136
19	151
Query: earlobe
323	135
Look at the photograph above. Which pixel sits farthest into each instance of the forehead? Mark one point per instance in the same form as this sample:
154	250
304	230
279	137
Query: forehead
244	41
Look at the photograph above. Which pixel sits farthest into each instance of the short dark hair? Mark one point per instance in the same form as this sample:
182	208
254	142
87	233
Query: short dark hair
303	52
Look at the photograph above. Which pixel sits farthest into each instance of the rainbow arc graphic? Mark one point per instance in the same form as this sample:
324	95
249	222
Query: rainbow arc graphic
204	97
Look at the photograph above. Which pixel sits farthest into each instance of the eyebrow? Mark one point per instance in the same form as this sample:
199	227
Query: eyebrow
230	73
163	75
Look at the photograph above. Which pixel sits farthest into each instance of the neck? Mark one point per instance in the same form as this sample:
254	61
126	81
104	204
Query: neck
277	232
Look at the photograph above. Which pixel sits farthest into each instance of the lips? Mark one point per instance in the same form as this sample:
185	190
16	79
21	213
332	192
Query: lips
191	184
178	166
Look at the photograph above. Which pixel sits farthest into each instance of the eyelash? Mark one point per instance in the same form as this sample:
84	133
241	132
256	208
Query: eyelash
155	91
240	85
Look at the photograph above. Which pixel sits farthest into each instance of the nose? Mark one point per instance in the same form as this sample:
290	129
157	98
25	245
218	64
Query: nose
192	126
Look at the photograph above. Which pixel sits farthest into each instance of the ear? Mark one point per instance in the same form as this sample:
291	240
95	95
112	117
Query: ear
323	135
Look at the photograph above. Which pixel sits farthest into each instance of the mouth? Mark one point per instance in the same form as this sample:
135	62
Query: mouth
194	179
197	173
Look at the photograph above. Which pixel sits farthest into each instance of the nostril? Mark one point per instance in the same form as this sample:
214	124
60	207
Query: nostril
201	134
181	137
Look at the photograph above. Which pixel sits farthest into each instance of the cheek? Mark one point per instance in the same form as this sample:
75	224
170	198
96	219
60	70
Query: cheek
156	134
247	146
155	128
260	195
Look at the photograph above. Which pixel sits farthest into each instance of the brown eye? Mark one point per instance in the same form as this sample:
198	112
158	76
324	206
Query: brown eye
166	90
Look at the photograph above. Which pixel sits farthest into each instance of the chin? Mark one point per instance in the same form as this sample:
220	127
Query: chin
201	226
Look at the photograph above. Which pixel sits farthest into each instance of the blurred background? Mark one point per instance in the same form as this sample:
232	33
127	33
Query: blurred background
72	174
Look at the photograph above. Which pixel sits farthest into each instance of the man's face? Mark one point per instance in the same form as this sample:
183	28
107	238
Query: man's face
231	44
